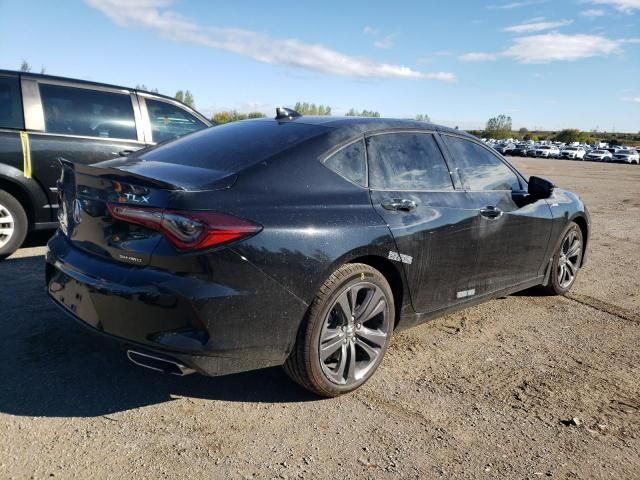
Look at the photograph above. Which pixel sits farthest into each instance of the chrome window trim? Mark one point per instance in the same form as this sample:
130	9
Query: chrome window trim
137	117
72	84
84	137
146	121
32	105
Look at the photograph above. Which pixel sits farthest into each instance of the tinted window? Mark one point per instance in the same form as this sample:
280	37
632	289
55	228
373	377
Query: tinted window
349	162
480	169
90	113
407	161
10	103
169	121
233	146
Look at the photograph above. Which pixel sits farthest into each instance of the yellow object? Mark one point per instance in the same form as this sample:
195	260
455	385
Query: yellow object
26	154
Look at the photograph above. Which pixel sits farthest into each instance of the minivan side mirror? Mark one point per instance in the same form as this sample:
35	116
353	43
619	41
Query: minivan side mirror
540	187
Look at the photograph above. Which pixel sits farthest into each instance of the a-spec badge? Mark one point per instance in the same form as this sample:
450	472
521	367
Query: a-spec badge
400	257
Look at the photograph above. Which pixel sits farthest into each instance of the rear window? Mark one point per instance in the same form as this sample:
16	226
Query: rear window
10	103
234	146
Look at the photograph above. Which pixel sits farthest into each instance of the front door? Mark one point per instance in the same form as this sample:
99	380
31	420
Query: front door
412	190
513	230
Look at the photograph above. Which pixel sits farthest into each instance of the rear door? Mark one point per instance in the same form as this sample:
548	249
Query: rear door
413	191
80	123
513	230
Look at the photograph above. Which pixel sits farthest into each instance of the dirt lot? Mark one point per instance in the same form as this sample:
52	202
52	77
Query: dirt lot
490	392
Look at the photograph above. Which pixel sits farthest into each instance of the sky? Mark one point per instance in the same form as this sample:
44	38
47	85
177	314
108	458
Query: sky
548	64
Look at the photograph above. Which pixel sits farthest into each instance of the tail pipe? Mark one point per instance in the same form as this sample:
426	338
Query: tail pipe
160	364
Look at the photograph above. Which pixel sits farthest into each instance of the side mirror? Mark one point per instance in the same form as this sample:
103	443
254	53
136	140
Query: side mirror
540	187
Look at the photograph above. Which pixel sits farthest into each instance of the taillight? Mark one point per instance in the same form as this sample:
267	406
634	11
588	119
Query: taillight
188	230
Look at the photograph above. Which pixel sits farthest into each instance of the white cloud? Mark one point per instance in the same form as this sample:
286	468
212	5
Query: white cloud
631	99
626	6
537	26
386	41
552	47
512	5
593	13
156	16
368	30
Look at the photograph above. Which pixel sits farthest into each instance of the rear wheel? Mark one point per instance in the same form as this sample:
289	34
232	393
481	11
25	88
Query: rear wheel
13	224
346	332
566	261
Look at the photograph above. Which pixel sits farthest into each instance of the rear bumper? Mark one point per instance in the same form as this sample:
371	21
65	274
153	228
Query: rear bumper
215	327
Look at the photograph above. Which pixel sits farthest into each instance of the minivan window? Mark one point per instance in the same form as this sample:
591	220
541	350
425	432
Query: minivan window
407	161
10	103
169	121
85	112
349	162
480	169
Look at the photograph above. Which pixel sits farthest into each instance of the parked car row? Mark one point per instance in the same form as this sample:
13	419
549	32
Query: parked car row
576	151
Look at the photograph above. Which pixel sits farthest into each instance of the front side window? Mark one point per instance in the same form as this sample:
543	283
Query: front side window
169	121
10	103
407	161
480	169
89	113
349	162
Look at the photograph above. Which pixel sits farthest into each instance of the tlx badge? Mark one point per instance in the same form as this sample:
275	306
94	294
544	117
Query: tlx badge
136	198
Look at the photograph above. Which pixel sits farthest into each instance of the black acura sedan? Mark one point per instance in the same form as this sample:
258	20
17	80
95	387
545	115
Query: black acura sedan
301	241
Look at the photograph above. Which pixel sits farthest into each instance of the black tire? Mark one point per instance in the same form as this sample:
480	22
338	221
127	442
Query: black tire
554	285
304	365
19	224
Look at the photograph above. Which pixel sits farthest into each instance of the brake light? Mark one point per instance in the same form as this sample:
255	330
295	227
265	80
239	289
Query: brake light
188	230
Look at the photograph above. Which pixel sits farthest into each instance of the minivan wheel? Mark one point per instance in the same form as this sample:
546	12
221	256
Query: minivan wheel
13	224
345	333
566	261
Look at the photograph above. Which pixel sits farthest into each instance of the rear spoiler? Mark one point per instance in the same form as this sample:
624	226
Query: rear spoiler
167	176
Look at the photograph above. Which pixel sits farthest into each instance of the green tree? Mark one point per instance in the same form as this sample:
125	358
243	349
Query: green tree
499	127
305	108
364	113
25	66
256	115
188	99
423	117
142	86
180	96
569	135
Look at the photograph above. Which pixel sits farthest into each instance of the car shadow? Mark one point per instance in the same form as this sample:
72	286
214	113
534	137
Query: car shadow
51	366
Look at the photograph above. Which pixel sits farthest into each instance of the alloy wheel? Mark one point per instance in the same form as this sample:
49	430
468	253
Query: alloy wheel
354	334
569	260
7	225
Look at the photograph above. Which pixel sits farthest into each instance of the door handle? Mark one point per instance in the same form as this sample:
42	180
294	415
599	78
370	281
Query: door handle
399	204
124	153
491	212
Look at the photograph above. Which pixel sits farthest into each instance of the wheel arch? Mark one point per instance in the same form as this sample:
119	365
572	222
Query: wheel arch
17	191
582	222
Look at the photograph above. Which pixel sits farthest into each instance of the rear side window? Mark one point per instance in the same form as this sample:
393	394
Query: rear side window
169	121
481	170
10	103
233	146
349	162
407	161
90	113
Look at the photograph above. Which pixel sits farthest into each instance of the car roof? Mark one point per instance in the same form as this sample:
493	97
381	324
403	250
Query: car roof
366	125
84	82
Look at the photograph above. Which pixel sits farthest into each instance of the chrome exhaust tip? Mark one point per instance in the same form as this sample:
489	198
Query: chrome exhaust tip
159	364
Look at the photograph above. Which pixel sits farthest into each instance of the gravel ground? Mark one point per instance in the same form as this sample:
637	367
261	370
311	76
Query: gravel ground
522	387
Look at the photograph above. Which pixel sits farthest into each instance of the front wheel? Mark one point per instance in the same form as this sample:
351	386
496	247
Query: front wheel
566	261
345	333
